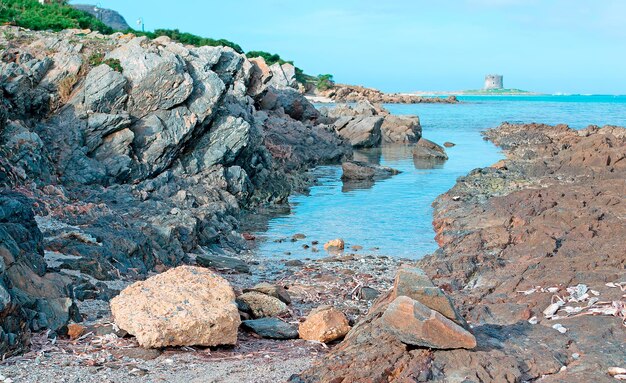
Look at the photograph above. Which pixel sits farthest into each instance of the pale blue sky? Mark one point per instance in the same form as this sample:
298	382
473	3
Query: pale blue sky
572	46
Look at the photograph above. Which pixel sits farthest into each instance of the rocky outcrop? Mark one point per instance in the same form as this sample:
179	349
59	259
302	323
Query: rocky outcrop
184	306
367	125
352	93
109	17
138	152
32	297
542	224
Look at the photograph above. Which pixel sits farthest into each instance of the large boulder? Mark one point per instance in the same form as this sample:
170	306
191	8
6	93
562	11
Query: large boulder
105	90
158	78
428	150
415	324
361	132
184	306
401	129
412	282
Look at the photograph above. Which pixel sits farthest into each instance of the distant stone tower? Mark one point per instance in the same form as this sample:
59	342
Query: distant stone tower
494	81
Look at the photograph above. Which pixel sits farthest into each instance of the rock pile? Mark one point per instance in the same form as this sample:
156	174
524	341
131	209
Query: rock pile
365	125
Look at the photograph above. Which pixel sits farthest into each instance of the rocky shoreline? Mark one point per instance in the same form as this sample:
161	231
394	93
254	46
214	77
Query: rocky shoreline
353	93
531	252
123	158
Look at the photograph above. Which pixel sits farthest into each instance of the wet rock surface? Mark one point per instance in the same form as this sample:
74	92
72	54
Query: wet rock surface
543	223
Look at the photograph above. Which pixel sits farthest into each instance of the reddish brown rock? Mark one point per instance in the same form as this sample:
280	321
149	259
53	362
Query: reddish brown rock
415	284
324	324
547	216
414	323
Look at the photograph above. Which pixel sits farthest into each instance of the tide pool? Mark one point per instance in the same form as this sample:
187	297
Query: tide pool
394	216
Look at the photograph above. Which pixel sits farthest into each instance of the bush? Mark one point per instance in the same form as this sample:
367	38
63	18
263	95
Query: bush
54	16
324	82
188	38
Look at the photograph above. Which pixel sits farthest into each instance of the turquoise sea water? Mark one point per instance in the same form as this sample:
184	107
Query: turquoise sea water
395	215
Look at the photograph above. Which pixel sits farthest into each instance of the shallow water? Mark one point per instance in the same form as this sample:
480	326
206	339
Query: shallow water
395	215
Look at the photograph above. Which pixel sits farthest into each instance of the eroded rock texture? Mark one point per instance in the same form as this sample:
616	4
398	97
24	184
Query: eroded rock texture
550	216
136	152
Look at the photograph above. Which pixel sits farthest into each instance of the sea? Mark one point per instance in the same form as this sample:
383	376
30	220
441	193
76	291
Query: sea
393	217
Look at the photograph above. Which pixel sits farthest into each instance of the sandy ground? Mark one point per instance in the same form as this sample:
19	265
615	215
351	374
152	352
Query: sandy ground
336	279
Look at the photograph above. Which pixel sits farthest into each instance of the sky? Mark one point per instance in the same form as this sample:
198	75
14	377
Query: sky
548	46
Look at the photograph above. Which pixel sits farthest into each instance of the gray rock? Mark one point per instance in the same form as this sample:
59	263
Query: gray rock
100	125
105	90
361	171
401	129
158	77
222	262
271	290
425	149
272	328
361	132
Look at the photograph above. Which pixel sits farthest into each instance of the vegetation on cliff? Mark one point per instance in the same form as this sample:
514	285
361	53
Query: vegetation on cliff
59	15
54	16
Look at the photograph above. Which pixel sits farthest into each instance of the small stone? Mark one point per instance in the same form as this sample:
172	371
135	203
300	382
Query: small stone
74	330
449	144
272	328
559	327
294	263
416	324
357	248
271	290
369	294
335	244
262	305
324	324
299	236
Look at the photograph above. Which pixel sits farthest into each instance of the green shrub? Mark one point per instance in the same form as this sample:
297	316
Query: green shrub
96	59
188	38
114	64
55	16
324	82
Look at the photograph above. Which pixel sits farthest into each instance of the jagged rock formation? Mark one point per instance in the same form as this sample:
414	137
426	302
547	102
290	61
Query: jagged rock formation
545	222
109	17
136	152
365	125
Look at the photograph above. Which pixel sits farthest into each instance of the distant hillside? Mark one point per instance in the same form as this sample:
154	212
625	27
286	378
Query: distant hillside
495	92
109	17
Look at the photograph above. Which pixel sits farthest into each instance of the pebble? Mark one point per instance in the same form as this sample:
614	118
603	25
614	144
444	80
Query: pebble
559	327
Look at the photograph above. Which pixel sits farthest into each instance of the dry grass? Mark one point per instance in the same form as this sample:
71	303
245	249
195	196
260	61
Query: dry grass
66	87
